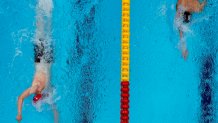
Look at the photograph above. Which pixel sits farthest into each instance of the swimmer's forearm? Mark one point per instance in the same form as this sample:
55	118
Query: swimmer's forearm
56	115
202	5
20	102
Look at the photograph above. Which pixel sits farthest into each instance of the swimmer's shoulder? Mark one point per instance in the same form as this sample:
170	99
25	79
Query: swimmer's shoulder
179	2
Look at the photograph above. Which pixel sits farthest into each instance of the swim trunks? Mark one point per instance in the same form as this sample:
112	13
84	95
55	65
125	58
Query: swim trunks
42	52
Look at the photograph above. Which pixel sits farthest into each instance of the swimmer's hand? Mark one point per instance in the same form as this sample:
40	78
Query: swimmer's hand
205	2
185	54
202	5
19	118
183	48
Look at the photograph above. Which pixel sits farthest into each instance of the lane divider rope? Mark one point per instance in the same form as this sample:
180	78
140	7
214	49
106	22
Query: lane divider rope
125	61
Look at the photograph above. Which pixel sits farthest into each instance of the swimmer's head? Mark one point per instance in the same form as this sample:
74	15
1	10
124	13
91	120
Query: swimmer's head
187	17
37	97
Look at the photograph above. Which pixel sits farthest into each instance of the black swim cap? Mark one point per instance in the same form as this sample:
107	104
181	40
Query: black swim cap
187	17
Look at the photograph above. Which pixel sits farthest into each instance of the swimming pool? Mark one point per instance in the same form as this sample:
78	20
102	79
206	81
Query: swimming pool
86	70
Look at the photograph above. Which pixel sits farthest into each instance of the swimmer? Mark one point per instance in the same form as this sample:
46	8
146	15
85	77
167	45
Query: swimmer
43	57
184	11
41	78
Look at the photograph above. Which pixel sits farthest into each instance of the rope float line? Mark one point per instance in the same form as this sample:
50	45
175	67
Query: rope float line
125	57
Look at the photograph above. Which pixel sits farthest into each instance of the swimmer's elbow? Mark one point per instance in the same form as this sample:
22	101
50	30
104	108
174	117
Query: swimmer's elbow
201	6
20	98
199	9
19	101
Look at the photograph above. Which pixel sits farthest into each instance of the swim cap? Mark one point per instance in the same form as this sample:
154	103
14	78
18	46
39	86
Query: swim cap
37	97
187	17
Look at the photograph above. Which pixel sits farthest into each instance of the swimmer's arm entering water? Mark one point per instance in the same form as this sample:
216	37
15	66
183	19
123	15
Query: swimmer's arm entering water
25	94
182	45
197	6
56	115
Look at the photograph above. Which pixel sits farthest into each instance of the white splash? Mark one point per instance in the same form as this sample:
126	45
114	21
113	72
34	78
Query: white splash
198	20
43	38
179	24
50	99
18	38
18	52
43	26
45	6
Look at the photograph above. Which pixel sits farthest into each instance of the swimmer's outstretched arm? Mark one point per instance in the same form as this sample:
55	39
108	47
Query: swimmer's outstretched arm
198	7
183	46
56	115
25	94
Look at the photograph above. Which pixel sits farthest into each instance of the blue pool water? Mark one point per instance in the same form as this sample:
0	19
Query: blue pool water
165	88
86	71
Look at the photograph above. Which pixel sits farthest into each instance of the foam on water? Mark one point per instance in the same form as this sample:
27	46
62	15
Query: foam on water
43	39
19	37
198	20
43	24
182	26
45	6
22	35
50	99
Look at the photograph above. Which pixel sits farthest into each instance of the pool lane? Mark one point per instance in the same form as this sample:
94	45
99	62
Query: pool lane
85	48
208	82
207	89
164	87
